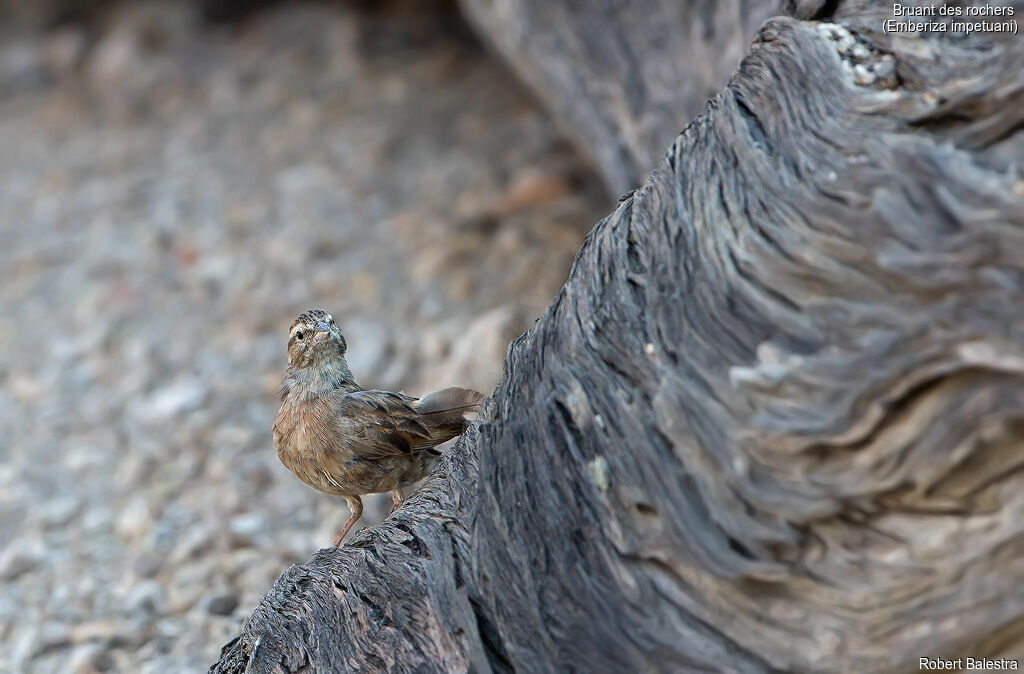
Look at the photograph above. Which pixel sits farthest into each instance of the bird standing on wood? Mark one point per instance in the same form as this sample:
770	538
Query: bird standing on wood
346	441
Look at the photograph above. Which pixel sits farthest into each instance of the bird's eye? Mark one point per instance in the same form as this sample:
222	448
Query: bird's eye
298	335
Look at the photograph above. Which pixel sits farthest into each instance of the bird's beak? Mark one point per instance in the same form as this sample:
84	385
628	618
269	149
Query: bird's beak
323	331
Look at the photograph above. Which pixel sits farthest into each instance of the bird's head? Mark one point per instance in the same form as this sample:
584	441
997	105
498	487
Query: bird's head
315	341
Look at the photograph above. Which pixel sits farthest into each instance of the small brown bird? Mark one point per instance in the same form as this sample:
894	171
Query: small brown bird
347	441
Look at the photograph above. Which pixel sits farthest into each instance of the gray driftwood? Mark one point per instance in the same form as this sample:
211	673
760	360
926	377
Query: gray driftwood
773	422
622	77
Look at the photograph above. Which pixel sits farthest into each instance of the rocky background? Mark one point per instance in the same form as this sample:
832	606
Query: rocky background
172	193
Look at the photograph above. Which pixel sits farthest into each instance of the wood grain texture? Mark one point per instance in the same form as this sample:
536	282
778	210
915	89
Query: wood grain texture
774	421
622	78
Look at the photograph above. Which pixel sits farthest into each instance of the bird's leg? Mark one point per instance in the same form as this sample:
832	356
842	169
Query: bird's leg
355	504
397	496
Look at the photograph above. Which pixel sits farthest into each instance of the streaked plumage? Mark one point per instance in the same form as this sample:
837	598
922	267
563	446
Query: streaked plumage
346	441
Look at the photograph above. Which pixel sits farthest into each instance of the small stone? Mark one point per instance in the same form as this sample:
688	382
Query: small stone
863	76
58	511
885	68
846	44
170	401
113	57
88	658
135	519
18	559
246	528
192	543
222	604
146	598
63	48
26	387
769	353
597	471
146	565
51	635
860	53
21	66
104	631
528	190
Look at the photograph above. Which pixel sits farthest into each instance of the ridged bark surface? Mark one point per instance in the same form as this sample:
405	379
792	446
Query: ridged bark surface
773	422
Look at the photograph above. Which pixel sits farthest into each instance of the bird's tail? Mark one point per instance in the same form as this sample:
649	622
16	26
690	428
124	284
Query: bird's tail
444	412
453	401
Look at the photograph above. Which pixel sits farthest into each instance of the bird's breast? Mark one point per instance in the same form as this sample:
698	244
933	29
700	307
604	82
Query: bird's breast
310	445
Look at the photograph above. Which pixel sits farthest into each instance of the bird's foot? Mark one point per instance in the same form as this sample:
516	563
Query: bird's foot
397	497
355	505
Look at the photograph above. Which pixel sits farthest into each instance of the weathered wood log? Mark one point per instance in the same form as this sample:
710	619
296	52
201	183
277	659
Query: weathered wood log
774	421
620	77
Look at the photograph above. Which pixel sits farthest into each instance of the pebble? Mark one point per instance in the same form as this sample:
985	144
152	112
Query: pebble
51	635
17	559
63	49
867	67
222	604
88	658
145	598
885	68
134	519
173	400
58	511
248	528
146	565
863	76
113	56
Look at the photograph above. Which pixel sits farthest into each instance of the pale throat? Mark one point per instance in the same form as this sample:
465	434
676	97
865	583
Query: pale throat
323	374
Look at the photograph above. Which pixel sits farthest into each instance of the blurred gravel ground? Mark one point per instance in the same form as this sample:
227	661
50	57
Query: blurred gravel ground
171	196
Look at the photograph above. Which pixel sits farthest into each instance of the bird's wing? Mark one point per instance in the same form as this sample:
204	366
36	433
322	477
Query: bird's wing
379	424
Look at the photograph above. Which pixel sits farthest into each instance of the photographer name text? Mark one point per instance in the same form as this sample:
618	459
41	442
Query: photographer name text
965	664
